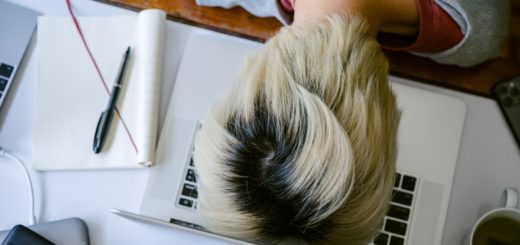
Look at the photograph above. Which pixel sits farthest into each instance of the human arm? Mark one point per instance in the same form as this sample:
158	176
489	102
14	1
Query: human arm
463	33
397	16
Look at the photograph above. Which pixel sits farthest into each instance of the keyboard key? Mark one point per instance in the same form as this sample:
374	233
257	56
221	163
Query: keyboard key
408	183
190	176
397	179
395	227
398	212
190	191
6	70
515	92
3	84
381	239
503	90
186	202
402	197
396	241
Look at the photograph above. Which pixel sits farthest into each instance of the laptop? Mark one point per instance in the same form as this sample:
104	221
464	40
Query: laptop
71	231
429	139
16	25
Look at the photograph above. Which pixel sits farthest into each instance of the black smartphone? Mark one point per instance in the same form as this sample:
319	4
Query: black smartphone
507	93
23	235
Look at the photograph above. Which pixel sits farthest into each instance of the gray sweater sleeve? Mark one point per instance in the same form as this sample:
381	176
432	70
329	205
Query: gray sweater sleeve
485	24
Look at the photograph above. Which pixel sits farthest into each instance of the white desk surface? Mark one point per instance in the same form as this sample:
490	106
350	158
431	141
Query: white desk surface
489	159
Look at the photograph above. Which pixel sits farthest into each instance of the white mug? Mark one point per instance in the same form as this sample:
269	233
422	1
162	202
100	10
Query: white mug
508	209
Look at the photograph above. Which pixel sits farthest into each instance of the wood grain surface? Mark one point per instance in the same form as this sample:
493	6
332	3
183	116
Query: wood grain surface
236	21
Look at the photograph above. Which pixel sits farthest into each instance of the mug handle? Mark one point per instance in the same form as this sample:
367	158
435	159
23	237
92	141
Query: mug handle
509	198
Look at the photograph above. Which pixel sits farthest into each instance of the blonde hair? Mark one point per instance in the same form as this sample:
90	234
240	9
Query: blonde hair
305	144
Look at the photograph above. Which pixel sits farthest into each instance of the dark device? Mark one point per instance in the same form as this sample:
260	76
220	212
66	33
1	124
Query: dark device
507	94
23	235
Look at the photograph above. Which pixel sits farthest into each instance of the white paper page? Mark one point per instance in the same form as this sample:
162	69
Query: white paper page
151	26
71	97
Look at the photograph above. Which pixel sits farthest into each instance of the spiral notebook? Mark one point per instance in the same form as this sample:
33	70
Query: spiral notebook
70	96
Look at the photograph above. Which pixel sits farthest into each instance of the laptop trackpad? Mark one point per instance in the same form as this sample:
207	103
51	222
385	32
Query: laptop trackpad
427	213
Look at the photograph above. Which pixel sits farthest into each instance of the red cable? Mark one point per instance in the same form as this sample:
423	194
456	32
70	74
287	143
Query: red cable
107	90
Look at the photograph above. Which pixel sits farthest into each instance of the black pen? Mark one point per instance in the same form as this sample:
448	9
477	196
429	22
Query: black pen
105	120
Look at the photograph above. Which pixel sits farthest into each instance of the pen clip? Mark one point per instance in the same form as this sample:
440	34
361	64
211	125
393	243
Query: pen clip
97	137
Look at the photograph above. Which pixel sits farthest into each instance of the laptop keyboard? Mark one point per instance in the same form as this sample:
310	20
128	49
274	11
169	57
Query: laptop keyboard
398	218
188	194
5	73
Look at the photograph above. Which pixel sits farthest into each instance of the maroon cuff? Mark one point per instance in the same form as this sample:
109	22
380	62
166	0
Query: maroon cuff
437	32
287	5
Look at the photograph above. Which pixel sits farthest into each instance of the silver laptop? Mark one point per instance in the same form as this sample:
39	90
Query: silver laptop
16	27
429	139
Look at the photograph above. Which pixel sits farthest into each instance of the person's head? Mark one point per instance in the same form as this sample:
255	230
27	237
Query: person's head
305	143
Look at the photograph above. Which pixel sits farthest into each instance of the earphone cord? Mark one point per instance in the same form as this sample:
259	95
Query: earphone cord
4	153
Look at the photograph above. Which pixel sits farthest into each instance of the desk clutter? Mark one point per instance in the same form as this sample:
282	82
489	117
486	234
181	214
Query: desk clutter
70	95
418	209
